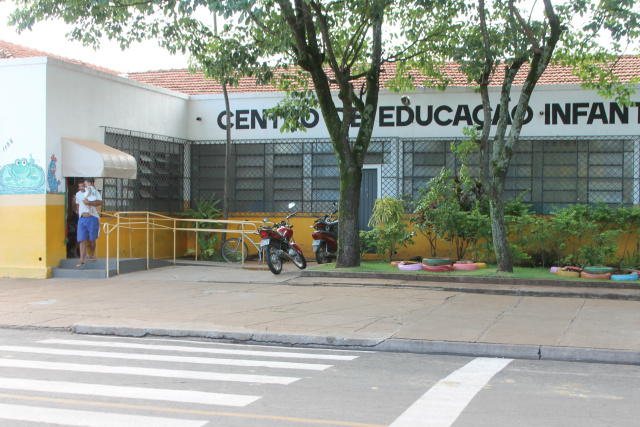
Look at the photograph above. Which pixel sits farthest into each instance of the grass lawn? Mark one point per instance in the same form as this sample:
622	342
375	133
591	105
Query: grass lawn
490	271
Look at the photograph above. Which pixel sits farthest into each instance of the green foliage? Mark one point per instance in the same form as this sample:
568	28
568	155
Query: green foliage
424	225
584	235
450	207
389	227
207	242
630	260
368	242
387	211
627	219
520	222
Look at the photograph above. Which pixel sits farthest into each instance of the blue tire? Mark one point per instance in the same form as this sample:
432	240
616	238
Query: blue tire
625	277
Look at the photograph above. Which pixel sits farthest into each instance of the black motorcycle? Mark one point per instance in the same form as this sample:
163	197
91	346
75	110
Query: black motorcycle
325	238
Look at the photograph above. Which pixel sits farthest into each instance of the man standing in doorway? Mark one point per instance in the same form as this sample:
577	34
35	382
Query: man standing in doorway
88	224
76	247
79	195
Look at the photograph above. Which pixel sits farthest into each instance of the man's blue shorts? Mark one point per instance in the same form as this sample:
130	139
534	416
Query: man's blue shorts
88	228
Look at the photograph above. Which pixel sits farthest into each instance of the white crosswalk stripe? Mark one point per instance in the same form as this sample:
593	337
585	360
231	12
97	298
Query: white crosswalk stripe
186	396
53	370
152	372
279	354
80	418
164	358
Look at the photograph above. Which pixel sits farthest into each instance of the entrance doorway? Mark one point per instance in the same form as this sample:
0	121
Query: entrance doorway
369	191
71	230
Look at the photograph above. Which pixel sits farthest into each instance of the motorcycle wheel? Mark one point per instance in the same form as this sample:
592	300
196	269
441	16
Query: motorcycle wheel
274	262
232	251
300	261
322	255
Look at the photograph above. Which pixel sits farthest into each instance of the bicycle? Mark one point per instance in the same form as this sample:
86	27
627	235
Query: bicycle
232	251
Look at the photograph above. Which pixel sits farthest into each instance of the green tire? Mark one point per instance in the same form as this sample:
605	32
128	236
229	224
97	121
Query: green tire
436	261
598	270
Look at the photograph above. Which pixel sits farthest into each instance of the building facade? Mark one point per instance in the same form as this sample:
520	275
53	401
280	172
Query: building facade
576	147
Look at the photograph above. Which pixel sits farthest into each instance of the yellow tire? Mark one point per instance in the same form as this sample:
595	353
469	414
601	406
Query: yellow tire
481	264
565	273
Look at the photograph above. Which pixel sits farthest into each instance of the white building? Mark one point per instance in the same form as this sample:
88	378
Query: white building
575	148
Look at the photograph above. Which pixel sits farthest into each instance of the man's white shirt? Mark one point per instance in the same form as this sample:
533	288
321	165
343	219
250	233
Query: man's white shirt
82	208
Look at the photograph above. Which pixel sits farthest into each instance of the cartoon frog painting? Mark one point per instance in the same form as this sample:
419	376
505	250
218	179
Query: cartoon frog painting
21	177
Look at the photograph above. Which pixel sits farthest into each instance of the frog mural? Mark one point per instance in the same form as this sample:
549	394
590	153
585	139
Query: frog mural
51	175
22	177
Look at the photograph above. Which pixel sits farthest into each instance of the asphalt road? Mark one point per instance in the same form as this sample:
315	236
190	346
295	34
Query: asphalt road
58	378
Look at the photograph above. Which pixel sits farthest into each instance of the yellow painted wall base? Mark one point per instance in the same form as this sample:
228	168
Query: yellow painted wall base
26	272
32	229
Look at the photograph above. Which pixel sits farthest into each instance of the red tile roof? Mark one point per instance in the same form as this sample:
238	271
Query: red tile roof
195	84
12	50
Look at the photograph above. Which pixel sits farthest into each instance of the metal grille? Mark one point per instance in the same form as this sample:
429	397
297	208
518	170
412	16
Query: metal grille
554	172
268	174
163	182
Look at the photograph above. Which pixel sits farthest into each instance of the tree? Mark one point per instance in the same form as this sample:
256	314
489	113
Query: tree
497	43
336	48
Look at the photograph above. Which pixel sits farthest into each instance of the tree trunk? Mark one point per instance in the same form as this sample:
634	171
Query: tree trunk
227	156
348	226
499	230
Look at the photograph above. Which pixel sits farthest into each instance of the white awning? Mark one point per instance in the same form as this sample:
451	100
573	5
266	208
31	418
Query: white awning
81	158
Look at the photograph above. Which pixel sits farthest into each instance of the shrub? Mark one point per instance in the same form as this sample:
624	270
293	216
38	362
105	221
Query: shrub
207	241
451	208
389	226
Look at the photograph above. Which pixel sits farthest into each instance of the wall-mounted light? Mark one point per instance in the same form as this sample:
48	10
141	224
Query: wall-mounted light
199	119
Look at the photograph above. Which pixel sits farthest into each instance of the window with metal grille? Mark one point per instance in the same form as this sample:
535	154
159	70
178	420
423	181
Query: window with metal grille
265	175
550	172
161	179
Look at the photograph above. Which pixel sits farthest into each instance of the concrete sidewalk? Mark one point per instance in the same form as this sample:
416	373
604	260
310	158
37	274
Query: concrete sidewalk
223	301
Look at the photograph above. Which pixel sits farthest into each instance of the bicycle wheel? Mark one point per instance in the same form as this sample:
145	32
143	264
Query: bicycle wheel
232	251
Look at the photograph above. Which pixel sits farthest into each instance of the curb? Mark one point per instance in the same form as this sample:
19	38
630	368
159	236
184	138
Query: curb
472	279
507	292
512	351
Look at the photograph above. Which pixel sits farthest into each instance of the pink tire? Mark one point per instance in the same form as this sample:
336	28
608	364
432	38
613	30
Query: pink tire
465	267
554	269
402	266
437	268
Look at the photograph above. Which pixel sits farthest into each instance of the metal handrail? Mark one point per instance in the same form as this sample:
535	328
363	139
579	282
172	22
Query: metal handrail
123	220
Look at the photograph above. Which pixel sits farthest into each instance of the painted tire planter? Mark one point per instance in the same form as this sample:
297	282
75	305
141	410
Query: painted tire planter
395	263
598	270
437	268
464	267
567	273
402	266
554	269
625	277
481	264
570	268
437	261
592	276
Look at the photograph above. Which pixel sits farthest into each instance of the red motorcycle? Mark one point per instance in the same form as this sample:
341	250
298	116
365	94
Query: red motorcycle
277	241
325	238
